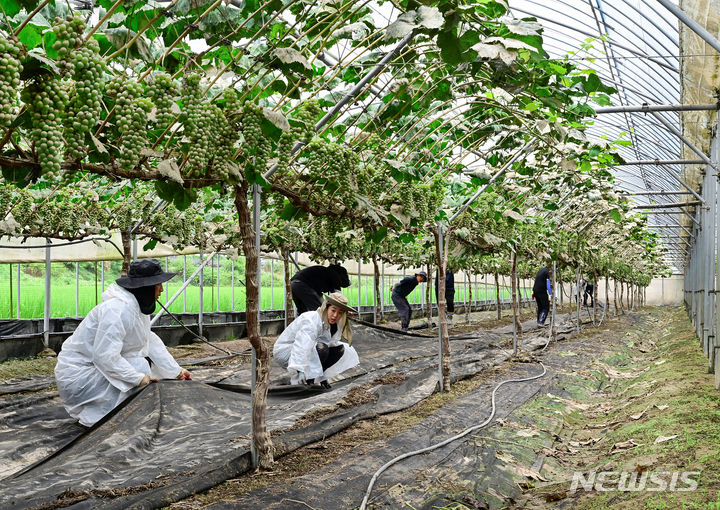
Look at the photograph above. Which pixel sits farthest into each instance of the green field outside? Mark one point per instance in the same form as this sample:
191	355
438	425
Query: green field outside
90	286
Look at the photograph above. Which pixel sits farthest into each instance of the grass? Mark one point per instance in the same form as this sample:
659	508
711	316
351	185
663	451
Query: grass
76	289
634	388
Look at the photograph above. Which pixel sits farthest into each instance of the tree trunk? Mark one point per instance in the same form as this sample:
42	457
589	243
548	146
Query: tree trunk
560	291
378	297
441	254
261	439
514	292
622	305
288	291
615	296
607	297
595	297
497	296
428	297
127	252
554	286
578	297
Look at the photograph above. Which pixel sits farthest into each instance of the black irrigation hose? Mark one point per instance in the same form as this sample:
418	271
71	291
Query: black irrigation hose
199	337
464	433
388	329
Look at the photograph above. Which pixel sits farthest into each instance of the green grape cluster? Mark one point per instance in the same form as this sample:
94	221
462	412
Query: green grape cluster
134	132
191	94
307	115
87	68
131	117
336	165
200	129
163	91
225	149
256	146
379	147
68	32
10	68
46	100
302	128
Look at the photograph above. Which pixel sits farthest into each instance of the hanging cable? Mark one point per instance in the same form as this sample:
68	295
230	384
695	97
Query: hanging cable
449	440
201	338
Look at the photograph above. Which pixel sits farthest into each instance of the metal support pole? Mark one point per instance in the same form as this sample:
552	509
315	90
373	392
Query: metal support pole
551	333
525	148
272	285
232	285
359	275
659	162
46	308
18	291
691	24
217	283
350	95
167	285
666	206
184	287
382	286
201	284
440	341
690	145
647	108
134	248
77	289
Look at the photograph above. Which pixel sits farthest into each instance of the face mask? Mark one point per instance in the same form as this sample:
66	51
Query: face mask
145	297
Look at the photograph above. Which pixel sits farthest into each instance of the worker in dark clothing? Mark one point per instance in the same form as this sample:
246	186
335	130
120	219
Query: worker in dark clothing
542	289
449	293
308	285
400	292
589	291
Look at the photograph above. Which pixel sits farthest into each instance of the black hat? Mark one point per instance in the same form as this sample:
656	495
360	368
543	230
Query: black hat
144	273
342	274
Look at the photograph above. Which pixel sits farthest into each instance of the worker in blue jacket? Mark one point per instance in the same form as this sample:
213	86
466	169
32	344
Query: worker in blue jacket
542	289
400	292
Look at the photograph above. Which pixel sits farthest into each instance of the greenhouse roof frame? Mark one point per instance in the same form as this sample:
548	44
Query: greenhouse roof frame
641	39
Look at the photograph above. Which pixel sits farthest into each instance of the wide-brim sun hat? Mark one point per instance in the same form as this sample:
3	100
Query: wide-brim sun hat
144	273
340	301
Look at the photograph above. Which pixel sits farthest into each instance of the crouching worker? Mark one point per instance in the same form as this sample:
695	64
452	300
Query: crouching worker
105	358
311	348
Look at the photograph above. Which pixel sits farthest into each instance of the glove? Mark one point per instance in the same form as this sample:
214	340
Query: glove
532	296
184	375
146	380
297	376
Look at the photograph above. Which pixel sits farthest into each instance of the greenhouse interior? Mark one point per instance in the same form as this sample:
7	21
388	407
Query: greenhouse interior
333	254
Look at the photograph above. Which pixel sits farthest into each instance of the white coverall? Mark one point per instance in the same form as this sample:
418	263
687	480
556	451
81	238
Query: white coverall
295	348
105	357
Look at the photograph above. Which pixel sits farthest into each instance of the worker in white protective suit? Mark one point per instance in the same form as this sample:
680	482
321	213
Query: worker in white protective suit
311	349
105	358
